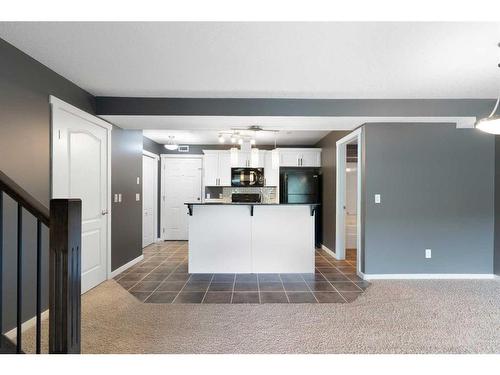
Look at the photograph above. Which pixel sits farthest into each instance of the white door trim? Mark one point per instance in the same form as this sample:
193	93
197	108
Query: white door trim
58	103
155	208
162	185
150	154
341	147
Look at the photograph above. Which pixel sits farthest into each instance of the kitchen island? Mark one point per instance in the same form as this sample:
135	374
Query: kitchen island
251	238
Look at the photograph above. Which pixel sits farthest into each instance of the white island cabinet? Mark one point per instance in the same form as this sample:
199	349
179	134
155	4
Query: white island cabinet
251	238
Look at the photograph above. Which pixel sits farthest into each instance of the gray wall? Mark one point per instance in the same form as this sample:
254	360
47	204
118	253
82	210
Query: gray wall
292	107
126	218
329	191
437	191
497	207
25	86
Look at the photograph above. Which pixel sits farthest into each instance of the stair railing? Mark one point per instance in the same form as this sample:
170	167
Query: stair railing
64	223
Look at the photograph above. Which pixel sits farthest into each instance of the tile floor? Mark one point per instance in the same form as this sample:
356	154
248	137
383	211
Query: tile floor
162	277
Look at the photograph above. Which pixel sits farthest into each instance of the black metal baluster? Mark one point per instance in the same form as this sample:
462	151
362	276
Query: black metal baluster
1	265
38	285
19	275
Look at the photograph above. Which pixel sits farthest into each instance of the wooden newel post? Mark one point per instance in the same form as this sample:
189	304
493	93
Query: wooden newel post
65	275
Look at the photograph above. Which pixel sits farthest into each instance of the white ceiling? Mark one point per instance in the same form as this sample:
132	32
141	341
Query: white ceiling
210	137
299	60
293	130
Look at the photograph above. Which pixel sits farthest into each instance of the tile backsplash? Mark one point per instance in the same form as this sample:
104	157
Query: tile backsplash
223	193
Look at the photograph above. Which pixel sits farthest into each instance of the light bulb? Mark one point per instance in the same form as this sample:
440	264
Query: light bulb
221	139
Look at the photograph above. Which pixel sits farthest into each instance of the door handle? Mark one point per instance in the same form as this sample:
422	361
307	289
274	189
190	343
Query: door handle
104	212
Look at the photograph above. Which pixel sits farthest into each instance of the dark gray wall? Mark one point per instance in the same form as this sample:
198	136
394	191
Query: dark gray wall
25	86
497	207
329	191
437	191
126	218
292	107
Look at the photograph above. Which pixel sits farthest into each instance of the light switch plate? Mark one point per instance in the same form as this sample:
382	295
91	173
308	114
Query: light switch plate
119	197
377	198
137	197
138	180
115	199
428	253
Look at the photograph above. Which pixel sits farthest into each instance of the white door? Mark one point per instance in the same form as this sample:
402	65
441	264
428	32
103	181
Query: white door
181	184
80	170
224	168
149	191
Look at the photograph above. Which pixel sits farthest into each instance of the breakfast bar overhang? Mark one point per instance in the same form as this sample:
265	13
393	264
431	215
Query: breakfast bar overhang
251	238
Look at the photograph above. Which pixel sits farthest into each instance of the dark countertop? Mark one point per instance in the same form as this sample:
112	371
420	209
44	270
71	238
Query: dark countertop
249	204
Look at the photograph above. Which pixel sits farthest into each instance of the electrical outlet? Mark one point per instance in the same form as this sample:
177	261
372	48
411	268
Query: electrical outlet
119	197
428	253
115	200
137	197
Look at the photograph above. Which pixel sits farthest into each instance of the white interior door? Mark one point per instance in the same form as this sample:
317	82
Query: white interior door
149	191
80	166
181	184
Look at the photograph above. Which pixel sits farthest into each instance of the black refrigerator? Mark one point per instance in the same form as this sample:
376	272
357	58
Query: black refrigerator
302	185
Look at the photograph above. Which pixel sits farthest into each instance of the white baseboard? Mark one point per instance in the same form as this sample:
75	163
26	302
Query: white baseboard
12	334
423	276
331	252
126	266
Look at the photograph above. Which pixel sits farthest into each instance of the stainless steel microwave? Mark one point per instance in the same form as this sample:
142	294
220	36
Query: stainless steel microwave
253	177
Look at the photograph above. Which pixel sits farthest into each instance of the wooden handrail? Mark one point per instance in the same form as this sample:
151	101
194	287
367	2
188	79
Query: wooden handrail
25	199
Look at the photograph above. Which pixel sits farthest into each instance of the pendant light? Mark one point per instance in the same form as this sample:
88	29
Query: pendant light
171	144
491	124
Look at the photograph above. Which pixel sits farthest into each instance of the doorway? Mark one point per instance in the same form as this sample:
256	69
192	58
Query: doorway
149	198
348	211
181	183
81	168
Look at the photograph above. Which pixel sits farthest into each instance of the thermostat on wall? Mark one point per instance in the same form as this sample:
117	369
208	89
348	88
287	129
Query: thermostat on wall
184	148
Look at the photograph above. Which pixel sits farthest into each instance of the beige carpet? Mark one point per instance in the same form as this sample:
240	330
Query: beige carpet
441	316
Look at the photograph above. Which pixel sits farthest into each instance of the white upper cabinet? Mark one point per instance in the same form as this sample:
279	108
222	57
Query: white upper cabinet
300	157
271	175
224	168
216	168
253	159
311	158
210	169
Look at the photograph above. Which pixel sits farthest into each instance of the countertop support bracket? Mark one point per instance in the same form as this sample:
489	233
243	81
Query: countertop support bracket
251	210
190	209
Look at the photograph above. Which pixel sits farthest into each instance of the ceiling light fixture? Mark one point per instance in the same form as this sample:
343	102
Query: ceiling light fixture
221	138
252	141
171	144
233	139
240	141
490	124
